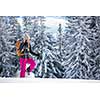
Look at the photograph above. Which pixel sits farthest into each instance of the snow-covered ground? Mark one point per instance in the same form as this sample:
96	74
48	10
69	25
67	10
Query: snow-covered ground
26	75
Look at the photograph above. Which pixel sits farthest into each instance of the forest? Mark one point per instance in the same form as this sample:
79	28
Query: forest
69	45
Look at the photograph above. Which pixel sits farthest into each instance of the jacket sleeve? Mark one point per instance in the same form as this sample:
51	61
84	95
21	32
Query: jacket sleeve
33	53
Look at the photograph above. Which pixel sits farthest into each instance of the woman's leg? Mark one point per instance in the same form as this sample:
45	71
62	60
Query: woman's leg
22	67
32	64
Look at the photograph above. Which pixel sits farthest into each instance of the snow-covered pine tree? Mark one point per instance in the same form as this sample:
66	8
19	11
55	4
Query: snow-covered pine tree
53	46
49	56
40	44
81	45
10	32
3	46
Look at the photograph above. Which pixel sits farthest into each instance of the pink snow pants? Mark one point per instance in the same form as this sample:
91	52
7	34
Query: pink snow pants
23	62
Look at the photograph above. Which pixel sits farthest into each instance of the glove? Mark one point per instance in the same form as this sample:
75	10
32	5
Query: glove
39	56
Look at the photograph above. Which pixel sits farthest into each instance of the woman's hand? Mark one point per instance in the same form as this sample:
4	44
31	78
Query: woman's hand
39	56
28	41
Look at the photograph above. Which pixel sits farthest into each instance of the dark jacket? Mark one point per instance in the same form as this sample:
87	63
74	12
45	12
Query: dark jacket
27	52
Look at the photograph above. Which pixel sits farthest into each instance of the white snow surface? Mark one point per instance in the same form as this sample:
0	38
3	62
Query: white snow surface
26	75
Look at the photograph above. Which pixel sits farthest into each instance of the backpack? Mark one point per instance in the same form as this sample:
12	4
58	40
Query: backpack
18	52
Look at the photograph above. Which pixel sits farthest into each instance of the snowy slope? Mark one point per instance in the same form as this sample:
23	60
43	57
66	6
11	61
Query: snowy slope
26	75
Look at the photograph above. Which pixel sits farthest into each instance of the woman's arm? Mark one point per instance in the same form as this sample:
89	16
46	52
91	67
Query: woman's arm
35	54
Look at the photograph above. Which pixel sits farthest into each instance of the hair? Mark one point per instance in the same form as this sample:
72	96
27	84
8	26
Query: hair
26	36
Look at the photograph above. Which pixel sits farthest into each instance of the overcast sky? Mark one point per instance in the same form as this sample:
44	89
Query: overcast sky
51	21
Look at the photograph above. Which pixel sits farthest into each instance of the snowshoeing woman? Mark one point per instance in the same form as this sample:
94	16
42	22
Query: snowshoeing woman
25	57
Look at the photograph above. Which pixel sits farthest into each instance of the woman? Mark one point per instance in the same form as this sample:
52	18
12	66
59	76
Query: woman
25	48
